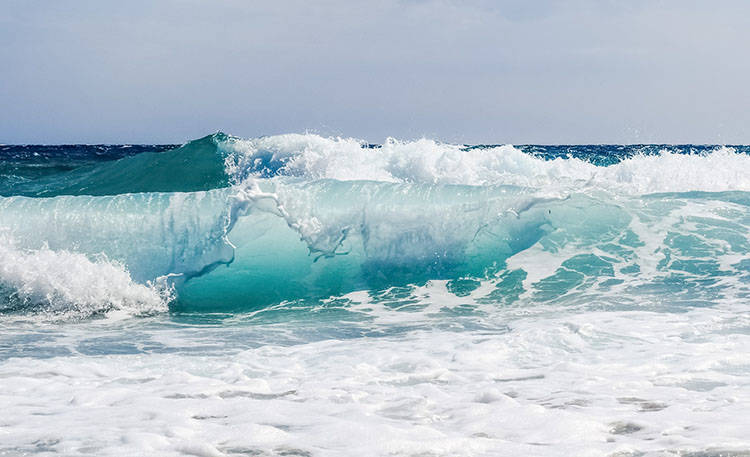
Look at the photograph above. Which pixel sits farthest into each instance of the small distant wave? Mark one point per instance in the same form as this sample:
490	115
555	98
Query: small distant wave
197	165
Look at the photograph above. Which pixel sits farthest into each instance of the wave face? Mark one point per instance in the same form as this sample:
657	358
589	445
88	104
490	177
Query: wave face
223	223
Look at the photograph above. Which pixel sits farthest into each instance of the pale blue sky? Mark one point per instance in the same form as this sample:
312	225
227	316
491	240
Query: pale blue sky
468	71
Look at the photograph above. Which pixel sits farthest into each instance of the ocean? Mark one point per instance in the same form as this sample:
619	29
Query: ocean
297	295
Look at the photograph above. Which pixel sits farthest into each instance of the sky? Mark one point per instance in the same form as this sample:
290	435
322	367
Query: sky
470	71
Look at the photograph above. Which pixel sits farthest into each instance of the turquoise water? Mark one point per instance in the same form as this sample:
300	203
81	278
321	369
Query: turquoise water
301	295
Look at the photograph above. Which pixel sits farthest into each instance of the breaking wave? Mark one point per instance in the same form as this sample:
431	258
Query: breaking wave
228	223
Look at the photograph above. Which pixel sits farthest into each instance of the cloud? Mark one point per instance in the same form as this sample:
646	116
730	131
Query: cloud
467	71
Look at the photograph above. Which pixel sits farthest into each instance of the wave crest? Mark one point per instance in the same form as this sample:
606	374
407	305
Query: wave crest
312	157
220	160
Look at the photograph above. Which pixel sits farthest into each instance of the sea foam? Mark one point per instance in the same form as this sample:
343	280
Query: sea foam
72	284
310	157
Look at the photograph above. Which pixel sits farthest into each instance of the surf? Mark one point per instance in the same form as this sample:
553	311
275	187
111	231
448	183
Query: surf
223	223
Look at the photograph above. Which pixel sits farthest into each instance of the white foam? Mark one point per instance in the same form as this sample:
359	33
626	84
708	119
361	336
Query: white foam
71	283
724	169
426	161
548	384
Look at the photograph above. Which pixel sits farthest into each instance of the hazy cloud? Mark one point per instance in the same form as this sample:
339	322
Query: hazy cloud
467	71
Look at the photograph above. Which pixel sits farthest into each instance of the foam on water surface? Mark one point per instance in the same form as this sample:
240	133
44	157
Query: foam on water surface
446	381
